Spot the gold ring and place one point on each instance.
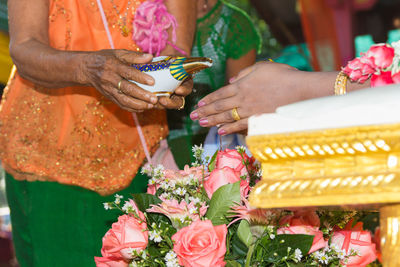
(183, 103)
(235, 114)
(119, 87)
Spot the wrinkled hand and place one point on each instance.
(258, 89)
(105, 69)
(176, 101)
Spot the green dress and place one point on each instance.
(43, 213)
(224, 32)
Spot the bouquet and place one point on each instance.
(381, 63)
(201, 217)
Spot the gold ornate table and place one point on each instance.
(354, 166)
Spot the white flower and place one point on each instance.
(194, 200)
(155, 236)
(240, 149)
(193, 210)
(197, 149)
(164, 185)
(322, 257)
(127, 207)
(171, 259)
(152, 181)
(272, 236)
(298, 255)
(180, 191)
(106, 206)
(118, 199)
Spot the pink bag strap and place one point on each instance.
(135, 118)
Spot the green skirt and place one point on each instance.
(59, 225)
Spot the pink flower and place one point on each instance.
(152, 189)
(254, 216)
(301, 217)
(360, 69)
(358, 242)
(110, 262)
(231, 158)
(178, 213)
(128, 234)
(377, 241)
(150, 26)
(197, 172)
(382, 79)
(382, 54)
(318, 242)
(219, 177)
(201, 244)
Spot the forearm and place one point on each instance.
(46, 66)
(320, 84)
(185, 14)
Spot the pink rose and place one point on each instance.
(382, 55)
(128, 234)
(360, 69)
(110, 262)
(231, 158)
(377, 241)
(219, 177)
(382, 79)
(301, 217)
(358, 241)
(318, 241)
(152, 189)
(201, 244)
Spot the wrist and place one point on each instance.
(81, 72)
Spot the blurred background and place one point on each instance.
(311, 35)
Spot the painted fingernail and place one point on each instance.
(201, 104)
(231, 80)
(203, 122)
(221, 132)
(150, 106)
(194, 115)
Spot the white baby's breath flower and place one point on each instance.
(128, 207)
(322, 257)
(193, 210)
(152, 181)
(198, 149)
(298, 255)
(106, 206)
(180, 191)
(171, 259)
(118, 199)
(240, 149)
(272, 236)
(194, 200)
(155, 236)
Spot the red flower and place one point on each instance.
(219, 177)
(233, 159)
(382, 79)
(360, 69)
(382, 54)
(301, 217)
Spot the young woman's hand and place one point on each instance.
(258, 89)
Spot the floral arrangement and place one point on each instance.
(381, 63)
(201, 217)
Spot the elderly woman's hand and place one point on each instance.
(260, 88)
(109, 71)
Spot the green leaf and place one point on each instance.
(244, 233)
(233, 264)
(238, 248)
(281, 243)
(221, 202)
(143, 201)
(213, 161)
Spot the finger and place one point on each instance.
(234, 127)
(129, 102)
(214, 108)
(222, 93)
(185, 88)
(173, 102)
(131, 73)
(132, 90)
(220, 118)
(115, 100)
(132, 57)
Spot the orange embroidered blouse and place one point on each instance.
(74, 135)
